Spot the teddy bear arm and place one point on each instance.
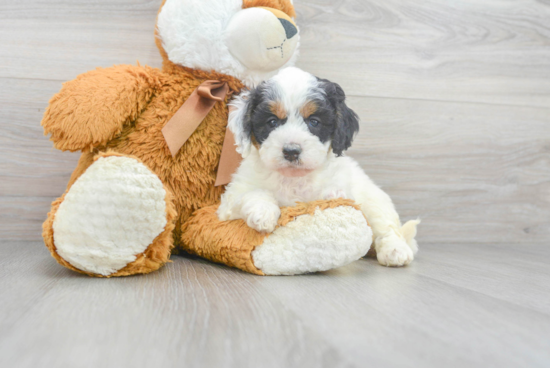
(93, 109)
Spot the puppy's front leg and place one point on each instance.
(260, 210)
(257, 206)
(394, 244)
(334, 193)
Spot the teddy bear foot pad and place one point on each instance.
(321, 241)
(110, 215)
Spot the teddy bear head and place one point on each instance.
(246, 39)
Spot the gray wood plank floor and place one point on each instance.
(454, 99)
(458, 305)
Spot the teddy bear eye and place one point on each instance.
(273, 123)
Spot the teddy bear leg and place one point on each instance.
(116, 219)
(310, 237)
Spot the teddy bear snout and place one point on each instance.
(272, 30)
(290, 29)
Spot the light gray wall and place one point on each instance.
(454, 99)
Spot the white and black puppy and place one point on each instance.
(292, 131)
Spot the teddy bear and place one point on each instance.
(151, 143)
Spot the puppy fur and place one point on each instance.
(292, 131)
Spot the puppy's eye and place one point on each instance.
(314, 122)
(273, 122)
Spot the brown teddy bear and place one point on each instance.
(151, 143)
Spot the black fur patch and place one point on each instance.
(345, 122)
(326, 116)
(259, 114)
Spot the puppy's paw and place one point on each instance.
(262, 216)
(393, 252)
(334, 193)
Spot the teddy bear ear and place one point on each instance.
(286, 6)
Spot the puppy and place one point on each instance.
(292, 131)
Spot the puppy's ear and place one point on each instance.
(240, 123)
(347, 121)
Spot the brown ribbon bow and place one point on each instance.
(188, 118)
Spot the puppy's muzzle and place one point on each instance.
(292, 152)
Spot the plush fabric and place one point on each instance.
(232, 242)
(227, 242)
(196, 37)
(304, 245)
(326, 241)
(111, 214)
(155, 256)
(282, 5)
(95, 99)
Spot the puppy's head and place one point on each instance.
(294, 121)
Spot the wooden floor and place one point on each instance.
(454, 98)
(458, 305)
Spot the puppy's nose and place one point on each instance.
(292, 152)
(290, 29)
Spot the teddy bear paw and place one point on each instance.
(320, 241)
(112, 213)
